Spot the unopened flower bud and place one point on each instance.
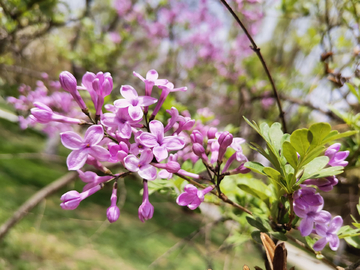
(68, 82)
(225, 141)
(113, 212)
(211, 132)
(196, 137)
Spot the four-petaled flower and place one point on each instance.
(328, 234)
(160, 144)
(141, 166)
(192, 197)
(133, 102)
(84, 147)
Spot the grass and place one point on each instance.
(51, 238)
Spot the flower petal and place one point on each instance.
(71, 140)
(128, 92)
(146, 101)
(77, 159)
(152, 75)
(306, 226)
(100, 153)
(131, 163)
(94, 134)
(146, 157)
(322, 217)
(121, 103)
(185, 199)
(124, 130)
(148, 172)
(335, 224)
(148, 139)
(160, 153)
(157, 128)
(334, 241)
(173, 143)
(135, 113)
(320, 244)
(321, 230)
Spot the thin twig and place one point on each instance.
(353, 266)
(35, 200)
(256, 49)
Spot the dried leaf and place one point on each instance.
(279, 261)
(269, 247)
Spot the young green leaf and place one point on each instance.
(299, 140)
(255, 187)
(289, 153)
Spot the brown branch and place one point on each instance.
(353, 266)
(220, 196)
(256, 49)
(35, 200)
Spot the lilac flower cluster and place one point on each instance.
(308, 204)
(51, 105)
(129, 134)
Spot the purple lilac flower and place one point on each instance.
(141, 166)
(307, 196)
(113, 212)
(192, 197)
(174, 116)
(98, 86)
(137, 147)
(44, 114)
(133, 102)
(71, 199)
(84, 147)
(92, 179)
(328, 234)
(122, 121)
(324, 184)
(150, 81)
(166, 89)
(225, 140)
(146, 210)
(118, 152)
(69, 83)
(160, 144)
(165, 174)
(309, 215)
(337, 158)
(238, 155)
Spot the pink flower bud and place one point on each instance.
(211, 132)
(71, 199)
(225, 141)
(113, 212)
(68, 82)
(196, 137)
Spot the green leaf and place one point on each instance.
(279, 236)
(313, 167)
(299, 140)
(352, 90)
(256, 236)
(259, 149)
(310, 241)
(255, 187)
(289, 153)
(329, 138)
(276, 135)
(255, 167)
(256, 224)
(354, 241)
(319, 131)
